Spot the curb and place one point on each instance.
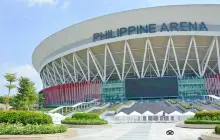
(58, 136)
(197, 126)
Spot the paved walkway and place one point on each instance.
(139, 131)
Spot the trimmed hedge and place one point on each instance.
(198, 108)
(84, 119)
(205, 117)
(187, 106)
(20, 129)
(201, 122)
(172, 101)
(217, 129)
(114, 108)
(85, 116)
(24, 117)
(84, 122)
(211, 114)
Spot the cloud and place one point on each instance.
(23, 70)
(42, 2)
(65, 4)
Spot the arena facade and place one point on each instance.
(158, 52)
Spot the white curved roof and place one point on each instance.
(148, 113)
(160, 113)
(134, 113)
(74, 37)
(175, 113)
(189, 113)
(121, 114)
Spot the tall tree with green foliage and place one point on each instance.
(1, 99)
(40, 100)
(11, 79)
(14, 102)
(27, 94)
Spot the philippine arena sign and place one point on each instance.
(150, 28)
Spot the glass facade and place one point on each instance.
(113, 91)
(191, 87)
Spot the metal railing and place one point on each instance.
(79, 107)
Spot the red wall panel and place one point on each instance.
(213, 84)
(69, 94)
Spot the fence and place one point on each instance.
(146, 118)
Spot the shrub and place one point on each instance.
(217, 129)
(84, 119)
(201, 122)
(172, 101)
(198, 108)
(185, 106)
(205, 117)
(84, 116)
(84, 122)
(114, 108)
(210, 114)
(24, 117)
(20, 129)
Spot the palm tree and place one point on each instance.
(10, 78)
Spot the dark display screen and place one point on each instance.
(151, 87)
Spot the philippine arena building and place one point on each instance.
(149, 53)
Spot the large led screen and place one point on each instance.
(151, 87)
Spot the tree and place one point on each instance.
(10, 78)
(2, 99)
(41, 99)
(13, 101)
(27, 94)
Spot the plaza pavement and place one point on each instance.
(138, 131)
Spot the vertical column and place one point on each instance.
(71, 102)
(56, 91)
(208, 83)
(100, 89)
(59, 94)
(95, 89)
(80, 92)
(217, 83)
(67, 93)
(69, 85)
(51, 94)
(74, 93)
(83, 91)
(54, 95)
(77, 92)
(87, 91)
(71, 90)
(63, 92)
(90, 89)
